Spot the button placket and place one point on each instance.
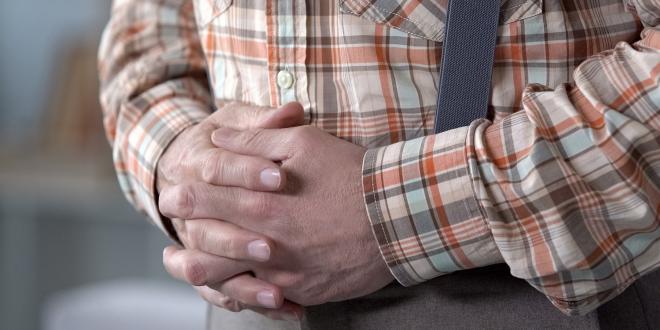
(287, 46)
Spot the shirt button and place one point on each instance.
(285, 79)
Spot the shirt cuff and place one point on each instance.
(136, 161)
(423, 210)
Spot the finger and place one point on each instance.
(225, 240)
(218, 299)
(251, 291)
(275, 144)
(225, 168)
(242, 116)
(289, 115)
(199, 268)
(288, 311)
(204, 201)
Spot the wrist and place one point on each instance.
(168, 164)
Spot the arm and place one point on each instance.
(157, 106)
(153, 86)
(566, 192)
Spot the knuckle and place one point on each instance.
(232, 305)
(176, 202)
(193, 272)
(212, 168)
(218, 299)
(183, 201)
(223, 300)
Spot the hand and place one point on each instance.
(323, 247)
(192, 158)
(238, 292)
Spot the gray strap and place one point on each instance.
(469, 51)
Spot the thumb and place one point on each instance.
(289, 115)
(240, 116)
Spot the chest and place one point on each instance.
(367, 71)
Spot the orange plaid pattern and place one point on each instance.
(562, 182)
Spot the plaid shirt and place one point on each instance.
(562, 182)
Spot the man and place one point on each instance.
(319, 179)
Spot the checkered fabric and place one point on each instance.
(561, 182)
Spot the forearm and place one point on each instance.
(153, 86)
(566, 191)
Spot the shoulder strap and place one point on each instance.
(468, 55)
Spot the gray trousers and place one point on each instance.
(487, 298)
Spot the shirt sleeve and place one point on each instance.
(566, 191)
(153, 86)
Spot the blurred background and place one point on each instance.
(73, 253)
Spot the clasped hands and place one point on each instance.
(270, 213)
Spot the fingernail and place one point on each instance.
(266, 299)
(271, 178)
(290, 317)
(259, 250)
